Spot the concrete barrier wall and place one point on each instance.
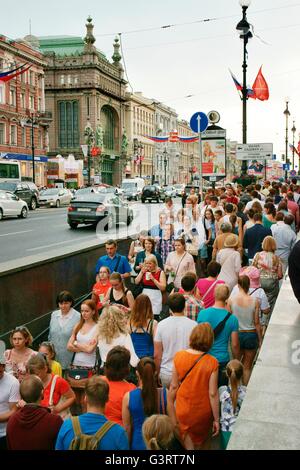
(28, 288)
(269, 418)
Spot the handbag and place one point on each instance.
(66, 413)
(170, 285)
(78, 376)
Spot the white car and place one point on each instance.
(170, 191)
(55, 197)
(12, 206)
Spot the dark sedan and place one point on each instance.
(92, 208)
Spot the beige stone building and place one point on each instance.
(189, 160)
(140, 122)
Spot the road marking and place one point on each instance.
(61, 243)
(15, 233)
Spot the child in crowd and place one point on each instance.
(47, 348)
(231, 399)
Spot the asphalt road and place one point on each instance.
(46, 229)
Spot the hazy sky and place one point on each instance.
(169, 64)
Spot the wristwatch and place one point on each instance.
(75, 343)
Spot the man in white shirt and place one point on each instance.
(172, 335)
(9, 397)
(285, 237)
(249, 204)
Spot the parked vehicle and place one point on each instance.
(132, 188)
(55, 197)
(34, 188)
(23, 191)
(91, 208)
(10, 171)
(170, 191)
(153, 193)
(12, 206)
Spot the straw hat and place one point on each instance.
(254, 275)
(231, 241)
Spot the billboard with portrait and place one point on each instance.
(256, 167)
(214, 157)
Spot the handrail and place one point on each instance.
(78, 301)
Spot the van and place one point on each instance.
(132, 188)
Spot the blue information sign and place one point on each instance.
(286, 166)
(199, 122)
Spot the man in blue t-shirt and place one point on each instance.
(214, 315)
(114, 261)
(96, 391)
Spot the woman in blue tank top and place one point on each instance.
(142, 402)
(142, 326)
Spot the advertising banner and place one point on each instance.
(256, 167)
(213, 157)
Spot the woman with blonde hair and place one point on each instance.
(270, 267)
(153, 280)
(159, 434)
(231, 398)
(246, 310)
(194, 388)
(142, 326)
(113, 331)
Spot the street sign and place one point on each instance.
(199, 122)
(286, 166)
(254, 151)
(293, 172)
(212, 178)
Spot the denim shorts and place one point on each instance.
(248, 340)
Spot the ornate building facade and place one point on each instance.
(22, 108)
(86, 95)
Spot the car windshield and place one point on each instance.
(178, 186)
(86, 191)
(51, 192)
(169, 188)
(128, 186)
(8, 186)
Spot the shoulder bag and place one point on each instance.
(66, 412)
(202, 307)
(171, 286)
(191, 368)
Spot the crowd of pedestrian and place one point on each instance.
(160, 356)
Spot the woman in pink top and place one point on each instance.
(178, 263)
(206, 286)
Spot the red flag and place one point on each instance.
(260, 87)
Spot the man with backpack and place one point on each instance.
(92, 430)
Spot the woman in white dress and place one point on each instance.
(83, 343)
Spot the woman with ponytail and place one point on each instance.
(145, 401)
(231, 399)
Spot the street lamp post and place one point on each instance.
(165, 164)
(32, 146)
(287, 114)
(90, 139)
(140, 151)
(293, 131)
(244, 28)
